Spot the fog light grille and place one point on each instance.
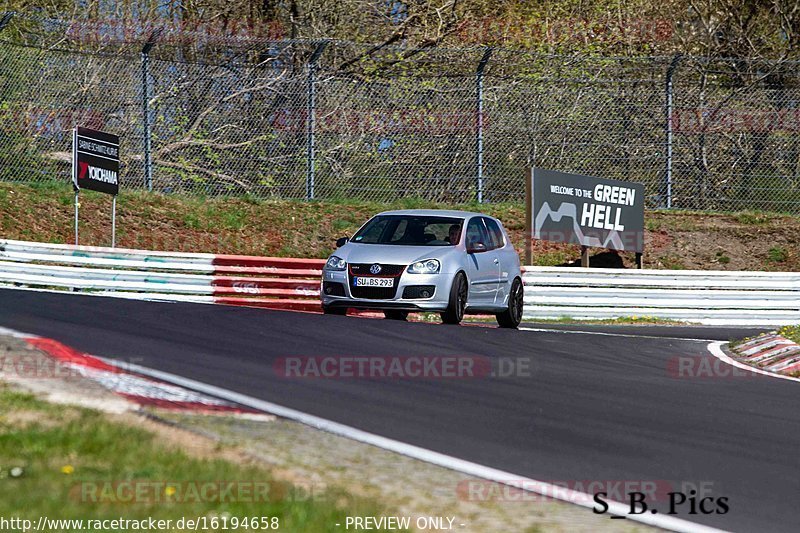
(331, 288)
(417, 292)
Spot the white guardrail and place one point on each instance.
(708, 297)
(703, 296)
(274, 282)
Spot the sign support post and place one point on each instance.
(74, 178)
(528, 218)
(77, 206)
(114, 221)
(585, 256)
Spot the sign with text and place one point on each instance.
(577, 209)
(95, 160)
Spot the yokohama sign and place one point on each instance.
(96, 161)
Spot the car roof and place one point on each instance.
(435, 212)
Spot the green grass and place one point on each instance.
(791, 333)
(777, 255)
(753, 218)
(672, 262)
(631, 320)
(552, 258)
(251, 225)
(191, 220)
(70, 456)
(343, 224)
(653, 225)
(621, 321)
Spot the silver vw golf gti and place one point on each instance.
(451, 262)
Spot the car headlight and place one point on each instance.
(335, 263)
(428, 266)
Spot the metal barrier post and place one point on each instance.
(479, 115)
(148, 157)
(668, 127)
(7, 16)
(311, 119)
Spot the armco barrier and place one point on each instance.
(273, 282)
(709, 297)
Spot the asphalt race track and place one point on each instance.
(594, 407)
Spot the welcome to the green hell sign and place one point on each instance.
(597, 215)
(585, 210)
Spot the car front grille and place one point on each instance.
(375, 293)
(362, 269)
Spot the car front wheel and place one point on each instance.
(454, 313)
(512, 316)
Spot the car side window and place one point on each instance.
(491, 244)
(476, 232)
(495, 232)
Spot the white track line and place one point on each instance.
(716, 350)
(453, 463)
(16, 334)
(631, 335)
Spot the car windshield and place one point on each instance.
(411, 230)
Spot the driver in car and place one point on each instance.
(454, 234)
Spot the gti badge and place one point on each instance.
(375, 269)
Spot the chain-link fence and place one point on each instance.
(330, 120)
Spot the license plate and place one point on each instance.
(373, 282)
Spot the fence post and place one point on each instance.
(148, 157)
(668, 127)
(311, 110)
(7, 16)
(479, 126)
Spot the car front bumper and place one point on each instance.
(437, 302)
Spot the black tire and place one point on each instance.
(458, 300)
(511, 317)
(334, 310)
(395, 314)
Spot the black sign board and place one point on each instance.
(95, 161)
(583, 210)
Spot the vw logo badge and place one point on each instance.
(375, 269)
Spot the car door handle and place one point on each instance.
(496, 261)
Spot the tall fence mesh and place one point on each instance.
(329, 120)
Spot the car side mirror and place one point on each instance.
(341, 241)
(476, 248)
